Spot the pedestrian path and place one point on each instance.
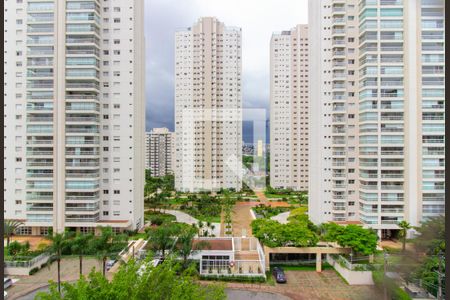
(282, 218)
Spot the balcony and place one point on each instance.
(85, 85)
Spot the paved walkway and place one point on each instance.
(282, 218)
(261, 196)
(183, 217)
(241, 218)
(252, 295)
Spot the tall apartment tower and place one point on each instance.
(401, 112)
(161, 148)
(208, 103)
(289, 86)
(399, 115)
(74, 114)
(147, 151)
(333, 114)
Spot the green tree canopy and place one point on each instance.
(361, 240)
(431, 238)
(274, 234)
(161, 282)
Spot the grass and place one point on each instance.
(137, 236)
(152, 215)
(212, 219)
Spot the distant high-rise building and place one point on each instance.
(208, 103)
(289, 85)
(75, 114)
(386, 126)
(160, 151)
(259, 148)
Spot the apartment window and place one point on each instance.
(106, 213)
(116, 192)
(116, 52)
(116, 213)
(116, 20)
(116, 202)
(116, 9)
(116, 42)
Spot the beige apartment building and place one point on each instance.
(289, 118)
(74, 115)
(398, 111)
(333, 114)
(208, 103)
(160, 143)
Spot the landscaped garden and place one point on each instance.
(288, 195)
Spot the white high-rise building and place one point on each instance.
(289, 86)
(399, 117)
(160, 151)
(74, 114)
(208, 103)
(333, 114)
(401, 112)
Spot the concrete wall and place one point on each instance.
(352, 277)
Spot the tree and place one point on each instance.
(162, 282)
(58, 243)
(361, 240)
(80, 246)
(161, 238)
(274, 234)
(106, 244)
(431, 236)
(404, 225)
(186, 245)
(10, 227)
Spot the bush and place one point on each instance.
(34, 270)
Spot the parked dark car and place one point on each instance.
(279, 275)
(110, 264)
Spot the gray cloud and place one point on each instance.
(258, 19)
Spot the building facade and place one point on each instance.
(289, 86)
(401, 111)
(333, 115)
(75, 114)
(397, 114)
(208, 103)
(160, 151)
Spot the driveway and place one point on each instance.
(308, 285)
(251, 295)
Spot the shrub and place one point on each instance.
(34, 270)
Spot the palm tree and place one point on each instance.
(10, 227)
(185, 244)
(102, 245)
(404, 225)
(200, 227)
(59, 241)
(161, 238)
(80, 246)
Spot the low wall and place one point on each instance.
(24, 268)
(352, 277)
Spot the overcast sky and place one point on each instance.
(257, 18)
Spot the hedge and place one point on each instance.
(235, 278)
